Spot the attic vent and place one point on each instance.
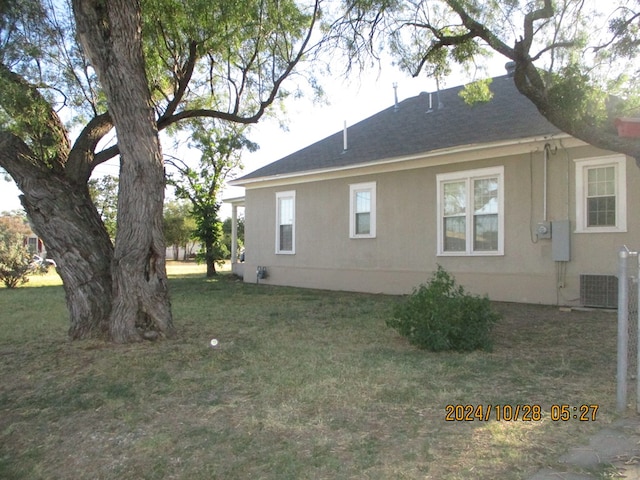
(599, 291)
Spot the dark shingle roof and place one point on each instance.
(411, 129)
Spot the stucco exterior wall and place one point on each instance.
(404, 251)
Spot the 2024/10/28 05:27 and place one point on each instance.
(525, 412)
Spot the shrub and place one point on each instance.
(15, 264)
(439, 316)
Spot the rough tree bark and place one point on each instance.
(119, 293)
(61, 211)
(53, 179)
(110, 33)
(210, 259)
(65, 215)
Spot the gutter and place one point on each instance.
(433, 158)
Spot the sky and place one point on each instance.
(346, 100)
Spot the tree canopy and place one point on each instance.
(179, 226)
(573, 59)
(173, 60)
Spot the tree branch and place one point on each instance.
(184, 77)
(443, 41)
(481, 31)
(172, 116)
(543, 13)
(24, 103)
(82, 157)
(552, 47)
(18, 160)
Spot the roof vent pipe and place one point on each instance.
(440, 104)
(344, 137)
(395, 96)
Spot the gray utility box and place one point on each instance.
(561, 240)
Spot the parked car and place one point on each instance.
(40, 262)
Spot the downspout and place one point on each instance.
(547, 150)
(547, 147)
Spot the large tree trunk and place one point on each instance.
(76, 239)
(110, 32)
(62, 214)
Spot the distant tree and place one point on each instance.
(15, 257)
(104, 193)
(221, 145)
(15, 222)
(179, 227)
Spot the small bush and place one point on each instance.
(15, 264)
(439, 316)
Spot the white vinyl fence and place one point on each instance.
(628, 327)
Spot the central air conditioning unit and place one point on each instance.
(599, 291)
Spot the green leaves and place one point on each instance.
(15, 258)
(575, 94)
(233, 55)
(221, 145)
(477, 92)
(104, 194)
(574, 59)
(178, 224)
(440, 315)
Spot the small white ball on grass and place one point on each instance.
(214, 342)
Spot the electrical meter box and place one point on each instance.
(561, 240)
(543, 230)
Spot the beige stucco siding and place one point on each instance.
(404, 251)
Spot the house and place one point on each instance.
(511, 206)
(34, 244)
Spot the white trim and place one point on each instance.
(620, 164)
(468, 176)
(353, 189)
(282, 195)
(448, 156)
(239, 201)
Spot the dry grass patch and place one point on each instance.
(304, 384)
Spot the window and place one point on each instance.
(471, 212)
(33, 245)
(285, 222)
(362, 207)
(601, 194)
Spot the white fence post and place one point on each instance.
(638, 335)
(623, 329)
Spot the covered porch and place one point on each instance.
(237, 262)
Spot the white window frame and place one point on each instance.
(353, 190)
(468, 176)
(582, 166)
(279, 196)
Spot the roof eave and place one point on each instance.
(432, 158)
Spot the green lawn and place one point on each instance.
(303, 384)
